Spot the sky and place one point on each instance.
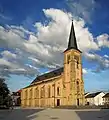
(34, 34)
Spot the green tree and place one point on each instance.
(4, 92)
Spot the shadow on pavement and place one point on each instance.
(102, 114)
(20, 114)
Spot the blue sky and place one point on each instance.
(34, 34)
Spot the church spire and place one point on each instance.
(72, 44)
(72, 39)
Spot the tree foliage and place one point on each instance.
(4, 91)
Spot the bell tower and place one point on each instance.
(73, 85)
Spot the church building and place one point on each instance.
(61, 87)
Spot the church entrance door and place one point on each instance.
(78, 102)
(58, 102)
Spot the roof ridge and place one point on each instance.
(53, 73)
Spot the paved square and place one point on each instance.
(54, 114)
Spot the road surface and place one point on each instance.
(54, 114)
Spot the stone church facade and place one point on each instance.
(61, 87)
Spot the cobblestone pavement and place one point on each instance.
(53, 114)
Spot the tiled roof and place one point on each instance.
(19, 91)
(106, 95)
(91, 95)
(51, 74)
(45, 76)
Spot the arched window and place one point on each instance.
(30, 93)
(53, 90)
(36, 93)
(77, 61)
(77, 83)
(77, 86)
(58, 91)
(49, 92)
(26, 94)
(77, 65)
(68, 59)
(42, 92)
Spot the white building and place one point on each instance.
(86, 94)
(106, 99)
(94, 98)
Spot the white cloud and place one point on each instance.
(106, 56)
(103, 40)
(102, 63)
(10, 39)
(44, 48)
(4, 62)
(84, 37)
(83, 8)
(84, 71)
(32, 66)
(14, 64)
(8, 54)
(92, 57)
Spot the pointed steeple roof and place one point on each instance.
(72, 44)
